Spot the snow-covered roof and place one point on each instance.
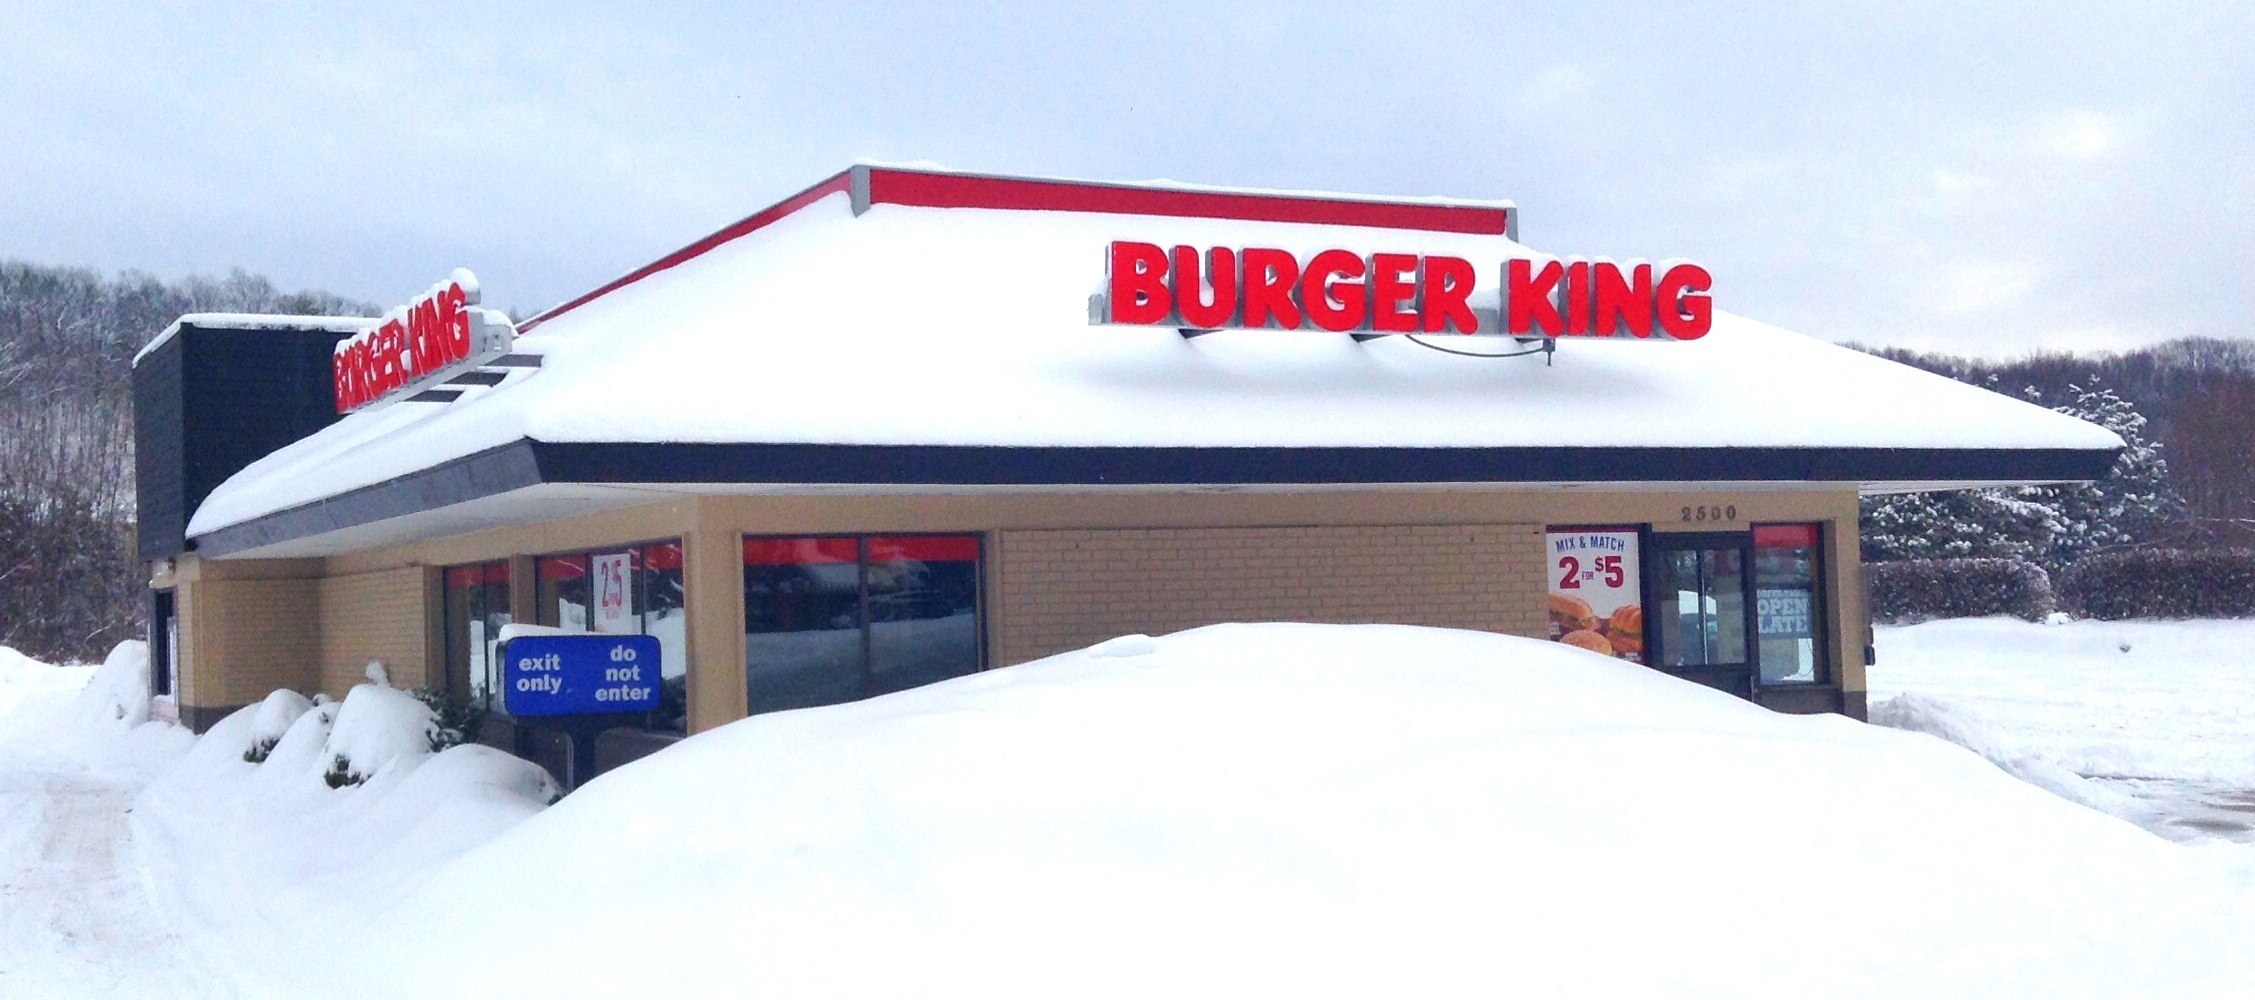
(252, 321)
(911, 330)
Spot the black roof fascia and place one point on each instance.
(528, 463)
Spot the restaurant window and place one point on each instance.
(1741, 610)
(1787, 611)
(838, 619)
(477, 605)
(1702, 606)
(634, 590)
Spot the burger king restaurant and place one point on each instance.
(910, 424)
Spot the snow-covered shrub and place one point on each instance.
(275, 716)
(1914, 590)
(456, 720)
(375, 726)
(2163, 583)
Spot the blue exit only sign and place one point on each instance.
(581, 674)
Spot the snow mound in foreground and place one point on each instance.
(1334, 810)
(1939, 718)
(263, 864)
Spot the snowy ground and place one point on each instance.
(2153, 721)
(1321, 810)
(75, 918)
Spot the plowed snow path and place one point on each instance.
(75, 920)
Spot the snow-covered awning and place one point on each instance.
(844, 341)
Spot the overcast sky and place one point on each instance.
(1988, 181)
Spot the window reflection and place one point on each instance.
(1702, 607)
(830, 620)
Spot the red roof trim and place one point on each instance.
(836, 184)
(925, 189)
(937, 190)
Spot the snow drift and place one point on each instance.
(1335, 810)
(264, 866)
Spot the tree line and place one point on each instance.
(70, 586)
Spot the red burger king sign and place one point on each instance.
(437, 336)
(1252, 288)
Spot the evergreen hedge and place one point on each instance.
(1914, 590)
(2162, 583)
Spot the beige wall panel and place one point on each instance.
(244, 638)
(1067, 589)
(380, 616)
(712, 583)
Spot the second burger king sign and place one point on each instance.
(1595, 596)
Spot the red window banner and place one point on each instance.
(563, 567)
(662, 557)
(799, 551)
(924, 548)
(480, 573)
(1785, 536)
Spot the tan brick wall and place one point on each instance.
(1059, 590)
(243, 638)
(374, 616)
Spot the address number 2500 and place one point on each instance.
(1718, 512)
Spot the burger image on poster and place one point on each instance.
(1595, 596)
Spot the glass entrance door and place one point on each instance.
(1701, 617)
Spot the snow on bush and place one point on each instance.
(263, 863)
(1281, 810)
(1914, 590)
(2163, 583)
(275, 716)
(375, 726)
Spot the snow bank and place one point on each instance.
(86, 716)
(1326, 810)
(267, 868)
(1920, 713)
(23, 679)
(2107, 699)
(2151, 720)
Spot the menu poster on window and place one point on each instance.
(613, 608)
(1595, 595)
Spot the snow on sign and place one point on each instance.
(1596, 599)
(1340, 290)
(418, 345)
(580, 674)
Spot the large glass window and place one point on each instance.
(1702, 607)
(829, 619)
(634, 590)
(1787, 614)
(477, 605)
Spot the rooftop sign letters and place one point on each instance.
(1220, 288)
(439, 335)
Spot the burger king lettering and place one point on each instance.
(1220, 288)
(432, 338)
